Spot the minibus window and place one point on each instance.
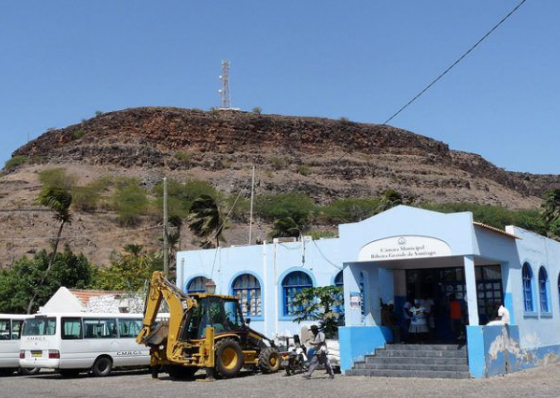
(39, 327)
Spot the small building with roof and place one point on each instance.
(96, 301)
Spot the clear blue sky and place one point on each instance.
(62, 60)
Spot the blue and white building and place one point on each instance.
(403, 252)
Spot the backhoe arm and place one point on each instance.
(161, 289)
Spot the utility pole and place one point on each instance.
(251, 211)
(165, 259)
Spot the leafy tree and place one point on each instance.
(289, 212)
(321, 304)
(57, 178)
(129, 271)
(27, 281)
(130, 201)
(86, 198)
(205, 219)
(58, 200)
(349, 210)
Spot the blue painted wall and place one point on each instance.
(359, 341)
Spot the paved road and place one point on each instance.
(541, 382)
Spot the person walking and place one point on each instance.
(320, 356)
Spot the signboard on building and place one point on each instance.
(355, 300)
(404, 247)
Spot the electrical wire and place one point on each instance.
(446, 71)
(325, 257)
(455, 63)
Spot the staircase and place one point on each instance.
(447, 361)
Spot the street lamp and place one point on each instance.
(210, 287)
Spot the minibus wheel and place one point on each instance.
(102, 366)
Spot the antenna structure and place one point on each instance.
(224, 91)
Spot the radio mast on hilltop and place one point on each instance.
(224, 91)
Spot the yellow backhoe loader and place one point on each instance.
(204, 331)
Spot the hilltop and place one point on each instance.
(326, 159)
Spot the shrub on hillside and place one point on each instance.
(15, 162)
(349, 210)
(296, 206)
(130, 201)
(57, 178)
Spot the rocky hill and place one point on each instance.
(327, 159)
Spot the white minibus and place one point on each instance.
(10, 330)
(77, 342)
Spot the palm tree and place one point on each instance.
(286, 227)
(550, 213)
(205, 219)
(390, 198)
(58, 200)
(550, 209)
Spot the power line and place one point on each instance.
(455, 63)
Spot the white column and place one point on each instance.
(470, 280)
(267, 315)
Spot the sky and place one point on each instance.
(61, 61)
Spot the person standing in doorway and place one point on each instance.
(455, 316)
(419, 323)
(407, 317)
(320, 357)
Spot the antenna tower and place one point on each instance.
(224, 91)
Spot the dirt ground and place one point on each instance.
(539, 382)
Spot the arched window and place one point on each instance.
(339, 279)
(543, 290)
(248, 289)
(293, 283)
(196, 285)
(527, 276)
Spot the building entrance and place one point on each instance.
(439, 284)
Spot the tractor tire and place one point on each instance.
(102, 367)
(229, 358)
(181, 372)
(269, 360)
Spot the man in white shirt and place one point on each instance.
(320, 357)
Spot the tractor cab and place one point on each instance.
(220, 312)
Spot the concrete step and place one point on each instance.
(411, 366)
(421, 353)
(408, 373)
(427, 347)
(407, 360)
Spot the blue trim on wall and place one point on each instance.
(240, 273)
(230, 291)
(280, 310)
(191, 279)
(358, 341)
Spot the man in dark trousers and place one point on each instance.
(320, 357)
